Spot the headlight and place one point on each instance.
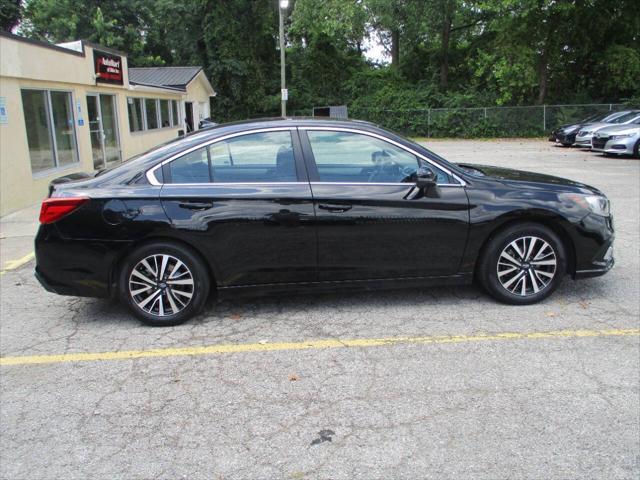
(598, 204)
(617, 137)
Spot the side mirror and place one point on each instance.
(425, 178)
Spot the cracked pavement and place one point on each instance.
(544, 408)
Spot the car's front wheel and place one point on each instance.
(523, 264)
(164, 284)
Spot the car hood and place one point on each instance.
(594, 127)
(569, 126)
(532, 179)
(620, 129)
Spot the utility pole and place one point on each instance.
(284, 4)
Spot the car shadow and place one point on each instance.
(430, 300)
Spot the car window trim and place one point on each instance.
(379, 137)
(151, 177)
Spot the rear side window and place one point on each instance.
(255, 157)
(191, 168)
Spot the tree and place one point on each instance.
(10, 14)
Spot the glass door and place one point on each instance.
(103, 130)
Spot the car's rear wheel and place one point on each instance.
(636, 149)
(523, 264)
(164, 284)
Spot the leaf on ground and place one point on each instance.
(550, 314)
(293, 378)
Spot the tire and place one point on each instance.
(176, 296)
(501, 264)
(636, 150)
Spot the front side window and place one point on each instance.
(151, 111)
(49, 122)
(256, 157)
(358, 158)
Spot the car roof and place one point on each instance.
(291, 122)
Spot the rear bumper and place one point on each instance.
(76, 268)
(59, 288)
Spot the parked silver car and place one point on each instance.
(618, 139)
(583, 138)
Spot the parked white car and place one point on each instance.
(618, 139)
(583, 137)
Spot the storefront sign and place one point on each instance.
(108, 68)
(79, 109)
(4, 115)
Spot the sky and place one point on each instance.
(374, 50)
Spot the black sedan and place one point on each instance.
(288, 206)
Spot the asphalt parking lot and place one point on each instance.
(439, 383)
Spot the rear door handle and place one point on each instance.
(335, 208)
(196, 205)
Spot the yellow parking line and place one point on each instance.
(13, 264)
(311, 344)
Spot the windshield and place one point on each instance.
(608, 117)
(598, 117)
(625, 118)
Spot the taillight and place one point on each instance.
(53, 209)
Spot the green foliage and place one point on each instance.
(10, 14)
(620, 70)
(447, 53)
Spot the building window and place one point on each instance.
(175, 113)
(165, 121)
(49, 122)
(136, 119)
(151, 111)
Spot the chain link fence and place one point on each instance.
(527, 121)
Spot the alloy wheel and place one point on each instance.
(526, 266)
(161, 285)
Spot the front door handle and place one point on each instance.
(334, 207)
(196, 205)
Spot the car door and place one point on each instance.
(373, 223)
(245, 201)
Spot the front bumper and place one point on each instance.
(566, 138)
(602, 266)
(595, 253)
(620, 146)
(583, 141)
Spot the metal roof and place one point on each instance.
(171, 77)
